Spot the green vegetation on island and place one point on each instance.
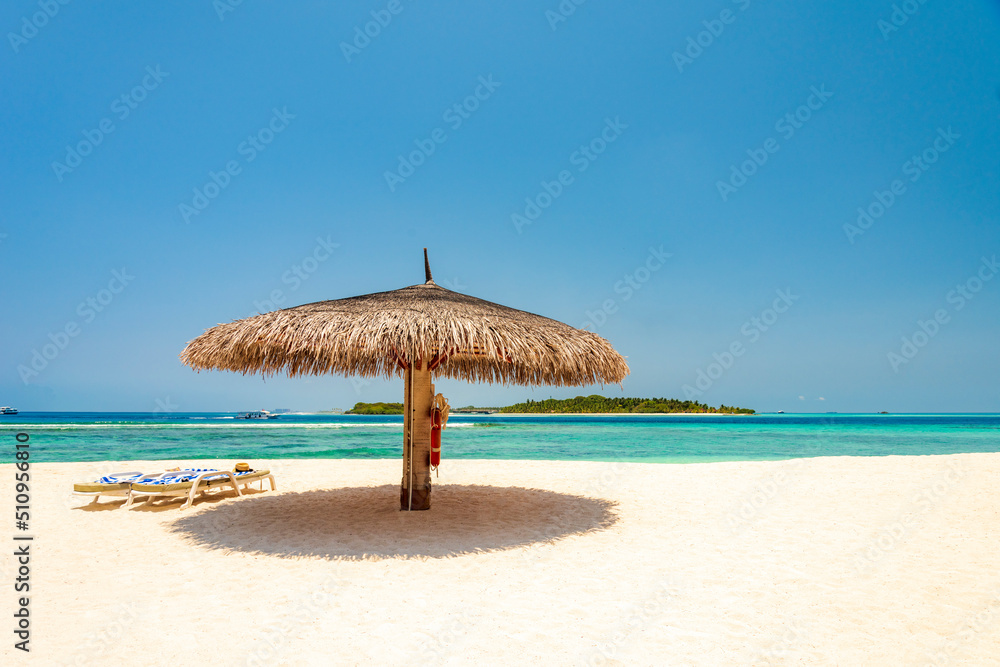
(593, 403)
(376, 409)
(603, 404)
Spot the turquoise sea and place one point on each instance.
(649, 438)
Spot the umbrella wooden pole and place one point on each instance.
(415, 491)
(407, 392)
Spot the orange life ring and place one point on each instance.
(435, 437)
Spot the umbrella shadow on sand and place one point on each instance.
(362, 523)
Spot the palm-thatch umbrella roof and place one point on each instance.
(416, 332)
(369, 335)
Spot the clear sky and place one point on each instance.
(685, 179)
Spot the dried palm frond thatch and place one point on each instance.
(374, 335)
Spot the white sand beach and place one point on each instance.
(827, 561)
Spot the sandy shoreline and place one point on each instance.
(841, 560)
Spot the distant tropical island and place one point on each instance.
(376, 409)
(581, 404)
(602, 404)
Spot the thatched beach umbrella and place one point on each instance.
(415, 332)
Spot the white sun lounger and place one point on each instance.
(115, 484)
(120, 483)
(190, 484)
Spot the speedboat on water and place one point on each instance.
(8, 411)
(256, 414)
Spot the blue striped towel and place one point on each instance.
(130, 479)
(188, 475)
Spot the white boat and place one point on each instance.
(256, 414)
(8, 411)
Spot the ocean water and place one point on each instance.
(642, 438)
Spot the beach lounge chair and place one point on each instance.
(115, 484)
(190, 484)
(120, 483)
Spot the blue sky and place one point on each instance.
(216, 155)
